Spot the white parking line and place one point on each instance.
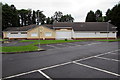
(102, 70)
(73, 44)
(93, 43)
(96, 55)
(114, 53)
(58, 65)
(61, 45)
(45, 75)
(52, 46)
(20, 74)
(108, 59)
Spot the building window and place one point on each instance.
(34, 34)
(23, 32)
(104, 32)
(113, 32)
(14, 33)
(48, 34)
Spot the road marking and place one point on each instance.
(45, 75)
(102, 70)
(73, 44)
(62, 45)
(52, 46)
(58, 65)
(20, 74)
(108, 59)
(114, 53)
(37, 70)
(96, 55)
(93, 43)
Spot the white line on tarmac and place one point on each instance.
(62, 45)
(55, 66)
(45, 75)
(58, 65)
(52, 46)
(102, 70)
(114, 53)
(73, 44)
(20, 74)
(108, 59)
(95, 56)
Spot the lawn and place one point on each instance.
(32, 47)
(49, 41)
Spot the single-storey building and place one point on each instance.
(63, 30)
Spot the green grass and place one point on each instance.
(3, 39)
(49, 41)
(32, 47)
(19, 48)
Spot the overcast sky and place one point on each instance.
(77, 8)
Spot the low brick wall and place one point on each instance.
(90, 38)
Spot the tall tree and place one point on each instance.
(48, 21)
(91, 17)
(57, 16)
(40, 17)
(34, 17)
(98, 15)
(114, 16)
(108, 14)
(9, 16)
(66, 18)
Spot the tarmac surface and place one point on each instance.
(66, 60)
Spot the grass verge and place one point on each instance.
(32, 47)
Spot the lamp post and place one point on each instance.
(39, 27)
(108, 29)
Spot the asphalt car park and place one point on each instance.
(75, 60)
(63, 45)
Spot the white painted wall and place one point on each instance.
(19, 35)
(93, 35)
(63, 34)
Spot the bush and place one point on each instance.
(65, 39)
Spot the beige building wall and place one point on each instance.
(5, 34)
(34, 33)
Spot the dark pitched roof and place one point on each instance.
(24, 28)
(49, 26)
(63, 24)
(86, 26)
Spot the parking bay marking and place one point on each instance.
(102, 70)
(45, 75)
(108, 59)
(58, 65)
(51, 46)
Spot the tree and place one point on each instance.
(48, 21)
(25, 17)
(98, 15)
(57, 16)
(29, 19)
(40, 17)
(66, 18)
(114, 16)
(108, 14)
(34, 17)
(9, 16)
(91, 17)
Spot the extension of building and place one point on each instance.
(63, 30)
